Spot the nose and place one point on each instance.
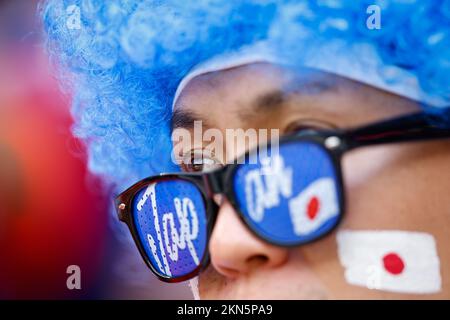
(235, 250)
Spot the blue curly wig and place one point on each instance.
(125, 61)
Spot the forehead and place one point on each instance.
(237, 91)
(264, 95)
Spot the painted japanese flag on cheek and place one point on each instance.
(397, 261)
(313, 206)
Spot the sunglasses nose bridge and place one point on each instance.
(214, 183)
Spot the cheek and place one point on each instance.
(398, 187)
(373, 180)
(362, 166)
(384, 188)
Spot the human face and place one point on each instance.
(390, 187)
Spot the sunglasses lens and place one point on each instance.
(289, 197)
(171, 223)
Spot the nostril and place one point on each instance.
(257, 260)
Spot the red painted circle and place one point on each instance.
(393, 263)
(313, 208)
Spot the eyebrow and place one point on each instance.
(185, 119)
(277, 98)
(269, 100)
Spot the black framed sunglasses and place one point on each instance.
(289, 196)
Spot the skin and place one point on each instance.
(388, 187)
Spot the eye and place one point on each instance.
(308, 124)
(199, 161)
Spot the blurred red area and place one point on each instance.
(53, 214)
(50, 218)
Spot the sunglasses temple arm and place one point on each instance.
(415, 127)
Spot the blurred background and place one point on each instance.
(53, 214)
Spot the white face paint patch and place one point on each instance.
(396, 261)
(193, 284)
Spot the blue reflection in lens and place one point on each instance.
(292, 199)
(170, 219)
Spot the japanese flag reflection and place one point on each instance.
(313, 206)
